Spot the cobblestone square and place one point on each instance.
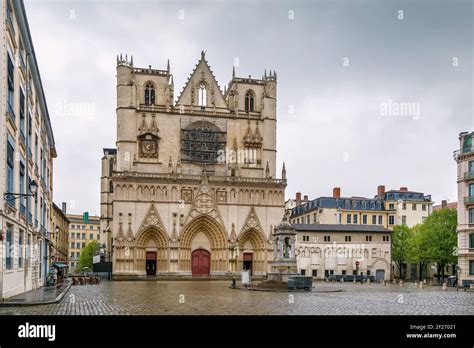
(215, 297)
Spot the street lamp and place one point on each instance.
(32, 187)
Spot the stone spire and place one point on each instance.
(170, 166)
(267, 171)
(233, 71)
(168, 67)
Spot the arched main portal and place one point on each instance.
(202, 229)
(151, 254)
(252, 252)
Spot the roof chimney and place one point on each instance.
(305, 198)
(336, 192)
(63, 207)
(380, 191)
(403, 189)
(444, 204)
(298, 198)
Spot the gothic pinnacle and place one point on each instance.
(168, 67)
(233, 71)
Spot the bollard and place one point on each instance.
(368, 281)
(327, 280)
(424, 281)
(431, 283)
(401, 283)
(416, 284)
(421, 285)
(342, 280)
(384, 282)
(394, 281)
(445, 286)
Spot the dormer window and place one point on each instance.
(249, 101)
(149, 94)
(202, 95)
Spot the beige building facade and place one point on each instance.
(83, 229)
(27, 151)
(464, 158)
(59, 235)
(191, 187)
(324, 250)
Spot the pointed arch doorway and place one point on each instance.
(200, 262)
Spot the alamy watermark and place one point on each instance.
(400, 109)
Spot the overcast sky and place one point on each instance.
(343, 69)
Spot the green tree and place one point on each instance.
(85, 260)
(418, 248)
(441, 238)
(401, 245)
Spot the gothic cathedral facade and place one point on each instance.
(191, 187)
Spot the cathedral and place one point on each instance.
(191, 188)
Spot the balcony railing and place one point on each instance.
(469, 199)
(469, 175)
(22, 209)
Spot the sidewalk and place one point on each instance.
(41, 296)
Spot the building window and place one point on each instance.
(149, 94)
(404, 206)
(11, 87)
(305, 238)
(413, 206)
(368, 238)
(404, 219)
(368, 272)
(22, 187)
(315, 218)
(83, 245)
(471, 267)
(391, 206)
(78, 245)
(327, 238)
(315, 272)
(83, 236)
(9, 246)
(20, 249)
(391, 220)
(72, 244)
(10, 169)
(364, 219)
(386, 238)
(349, 218)
(249, 101)
(202, 95)
(91, 227)
(303, 272)
(348, 238)
(471, 241)
(355, 218)
(372, 205)
(374, 219)
(380, 219)
(423, 207)
(344, 272)
(91, 236)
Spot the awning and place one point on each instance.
(59, 265)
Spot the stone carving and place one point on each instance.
(152, 219)
(252, 222)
